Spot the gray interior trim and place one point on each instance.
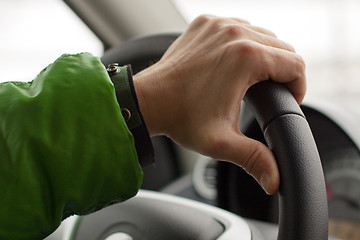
(115, 21)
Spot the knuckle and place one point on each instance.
(247, 49)
(203, 19)
(217, 23)
(234, 30)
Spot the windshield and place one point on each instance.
(35, 33)
(324, 32)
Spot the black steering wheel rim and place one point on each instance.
(303, 212)
(302, 195)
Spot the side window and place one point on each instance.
(34, 33)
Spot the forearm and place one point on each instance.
(65, 148)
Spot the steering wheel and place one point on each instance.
(302, 196)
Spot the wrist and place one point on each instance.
(155, 99)
(143, 95)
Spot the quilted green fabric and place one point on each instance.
(64, 148)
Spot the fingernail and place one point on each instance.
(265, 182)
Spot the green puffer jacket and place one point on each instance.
(64, 148)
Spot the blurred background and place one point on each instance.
(34, 33)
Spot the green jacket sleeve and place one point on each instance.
(64, 148)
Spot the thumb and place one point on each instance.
(253, 156)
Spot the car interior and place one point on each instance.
(185, 195)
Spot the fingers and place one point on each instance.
(253, 156)
(235, 29)
(240, 31)
(267, 63)
(255, 28)
(288, 68)
(262, 35)
(206, 17)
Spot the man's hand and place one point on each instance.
(193, 93)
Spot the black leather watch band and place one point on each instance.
(127, 100)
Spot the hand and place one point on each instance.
(193, 93)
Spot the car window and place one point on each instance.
(325, 33)
(34, 33)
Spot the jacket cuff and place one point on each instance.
(121, 77)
